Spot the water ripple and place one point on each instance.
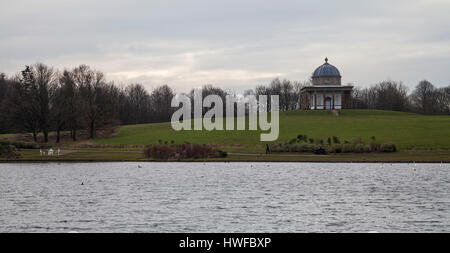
(224, 197)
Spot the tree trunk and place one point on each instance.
(45, 136)
(34, 136)
(74, 135)
(57, 135)
(92, 130)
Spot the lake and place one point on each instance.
(224, 197)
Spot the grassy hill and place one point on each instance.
(406, 130)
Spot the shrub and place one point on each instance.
(336, 140)
(388, 147)
(329, 149)
(362, 148)
(374, 146)
(347, 147)
(286, 147)
(304, 147)
(222, 153)
(21, 144)
(158, 152)
(276, 147)
(273, 147)
(305, 138)
(9, 152)
(183, 151)
(320, 151)
(293, 147)
(359, 148)
(337, 148)
(279, 147)
(333, 145)
(312, 147)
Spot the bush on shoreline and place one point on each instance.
(26, 145)
(9, 152)
(388, 147)
(331, 145)
(183, 151)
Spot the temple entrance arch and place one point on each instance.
(328, 103)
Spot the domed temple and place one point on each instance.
(326, 91)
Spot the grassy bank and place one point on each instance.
(418, 138)
(406, 130)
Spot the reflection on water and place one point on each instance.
(224, 197)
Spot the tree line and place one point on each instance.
(41, 99)
(425, 98)
(80, 101)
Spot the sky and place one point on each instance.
(232, 44)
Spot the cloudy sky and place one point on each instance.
(232, 44)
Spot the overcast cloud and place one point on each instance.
(232, 44)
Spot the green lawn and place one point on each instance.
(406, 130)
(7, 135)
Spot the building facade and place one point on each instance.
(326, 91)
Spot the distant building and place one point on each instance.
(326, 91)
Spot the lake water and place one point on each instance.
(224, 197)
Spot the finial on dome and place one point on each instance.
(326, 59)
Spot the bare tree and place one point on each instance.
(22, 103)
(45, 79)
(6, 92)
(138, 102)
(288, 92)
(71, 103)
(161, 99)
(423, 96)
(93, 90)
(297, 93)
(442, 100)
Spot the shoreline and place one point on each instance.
(99, 155)
(214, 161)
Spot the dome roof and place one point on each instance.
(326, 70)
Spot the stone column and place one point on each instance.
(323, 100)
(315, 100)
(332, 106)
